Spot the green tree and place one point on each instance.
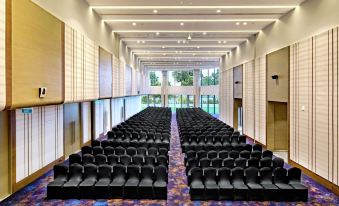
(154, 79)
(184, 77)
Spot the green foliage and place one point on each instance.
(154, 79)
(184, 77)
(211, 79)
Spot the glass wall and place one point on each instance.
(180, 78)
(151, 101)
(209, 76)
(210, 103)
(155, 78)
(180, 101)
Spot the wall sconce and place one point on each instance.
(275, 77)
(237, 82)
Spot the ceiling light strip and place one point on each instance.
(107, 7)
(185, 31)
(187, 20)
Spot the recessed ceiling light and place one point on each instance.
(138, 42)
(176, 51)
(182, 24)
(204, 33)
(189, 37)
(219, 42)
(178, 41)
(238, 23)
(209, 51)
(198, 47)
(163, 47)
(225, 42)
(245, 23)
(158, 33)
(155, 11)
(193, 54)
(218, 11)
(164, 54)
(184, 41)
(143, 42)
(134, 24)
(180, 51)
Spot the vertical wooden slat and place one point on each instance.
(2, 54)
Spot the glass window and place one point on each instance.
(180, 78)
(190, 101)
(157, 100)
(155, 78)
(171, 102)
(210, 104)
(204, 103)
(209, 77)
(144, 102)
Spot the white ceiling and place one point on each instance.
(156, 30)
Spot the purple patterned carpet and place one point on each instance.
(178, 191)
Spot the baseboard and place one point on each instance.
(17, 186)
(329, 185)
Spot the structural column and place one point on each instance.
(196, 84)
(164, 88)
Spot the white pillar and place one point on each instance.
(164, 88)
(196, 84)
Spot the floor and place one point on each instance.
(178, 192)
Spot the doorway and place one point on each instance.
(238, 115)
(72, 128)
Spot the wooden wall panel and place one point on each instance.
(238, 77)
(2, 54)
(86, 123)
(116, 68)
(81, 67)
(248, 98)
(36, 56)
(229, 97)
(314, 104)
(105, 73)
(128, 80)
(5, 169)
(122, 74)
(38, 140)
(278, 64)
(260, 99)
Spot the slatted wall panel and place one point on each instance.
(39, 139)
(116, 68)
(122, 86)
(229, 97)
(248, 98)
(314, 104)
(222, 91)
(81, 67)
(2, 54)
(260, 99)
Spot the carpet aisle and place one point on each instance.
(178, 191)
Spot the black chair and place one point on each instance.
(106, 143)
(162, 160)
(95, 143)
(86, 187)
(253, 162)
(74, 158)
(70, 188)
(278, 162)
(210, 182)
(267, 153)
(242, 139)
(163, 151)
(216, 162)
(229, 163)
(281, 181)
(201, 154)
(87, 159)
(270, 190)
(60, 177)
(256, 191)
(97, 150)
(256, 154)
(226, 191)
(131, 185)
(104, 180)
(196, 184)
(142, 151)
(257, 147)
(191, 163)
(100, 159)
(245, 154)
(108, 150)
(212, 154)
(152, 151)
(150, 160)
(131, 151)
(116, 187)
(146, 182)
(233, 154)
(138, 160)
(223, 154)
(266, 162)
(112, 159)
(240, 189)
(160, 182)
(248, 147)
(190, 154)
(240, 162)
(125, 160)
(204, 162)
(119, 150)
(86, 150)
(300, 191)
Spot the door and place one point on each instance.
(72, 128)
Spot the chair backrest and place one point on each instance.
(278, 162)
(147, 172)
(87, 159)
(141, 150)
(163, 151)
(229, 163)
(160, 173)
(150, 160)
(216, 162)
(280, 175)
(86, 150)
(195, 173)
(100, 159)
(245, 154)
(266, 175)
(241, 162)
(138, 160)
(74, 158)
(248, 147)
(90, 171)
(266, 162)
(210, 174)
(201, 154)
(224, 174)
(131, 151)
(256, 154)
(105, 143)
(119, 150)
(223, 154)
(257, 147)
(212, 154)
(267, 153)
(108, 150)
(75, 172)
(119, 171)
(125, 159)
(97, 150)
(294, 175)
(95, 143)
(242, 138)
(204, 162)
(152, 151)
(253, 162)
(162, 160)
(133, 171)
(238, 175)
(252, 175)
(60, 172)
(104, 171)
(233, 154)
(112, 159)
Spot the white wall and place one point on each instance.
(177, 90)
(209, 90)
(133, 106)
(310, 18)
(78, 15)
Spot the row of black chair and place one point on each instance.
(248, 184)
(104, 181)
(209, 147)
(121, 150)
(124, 159)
